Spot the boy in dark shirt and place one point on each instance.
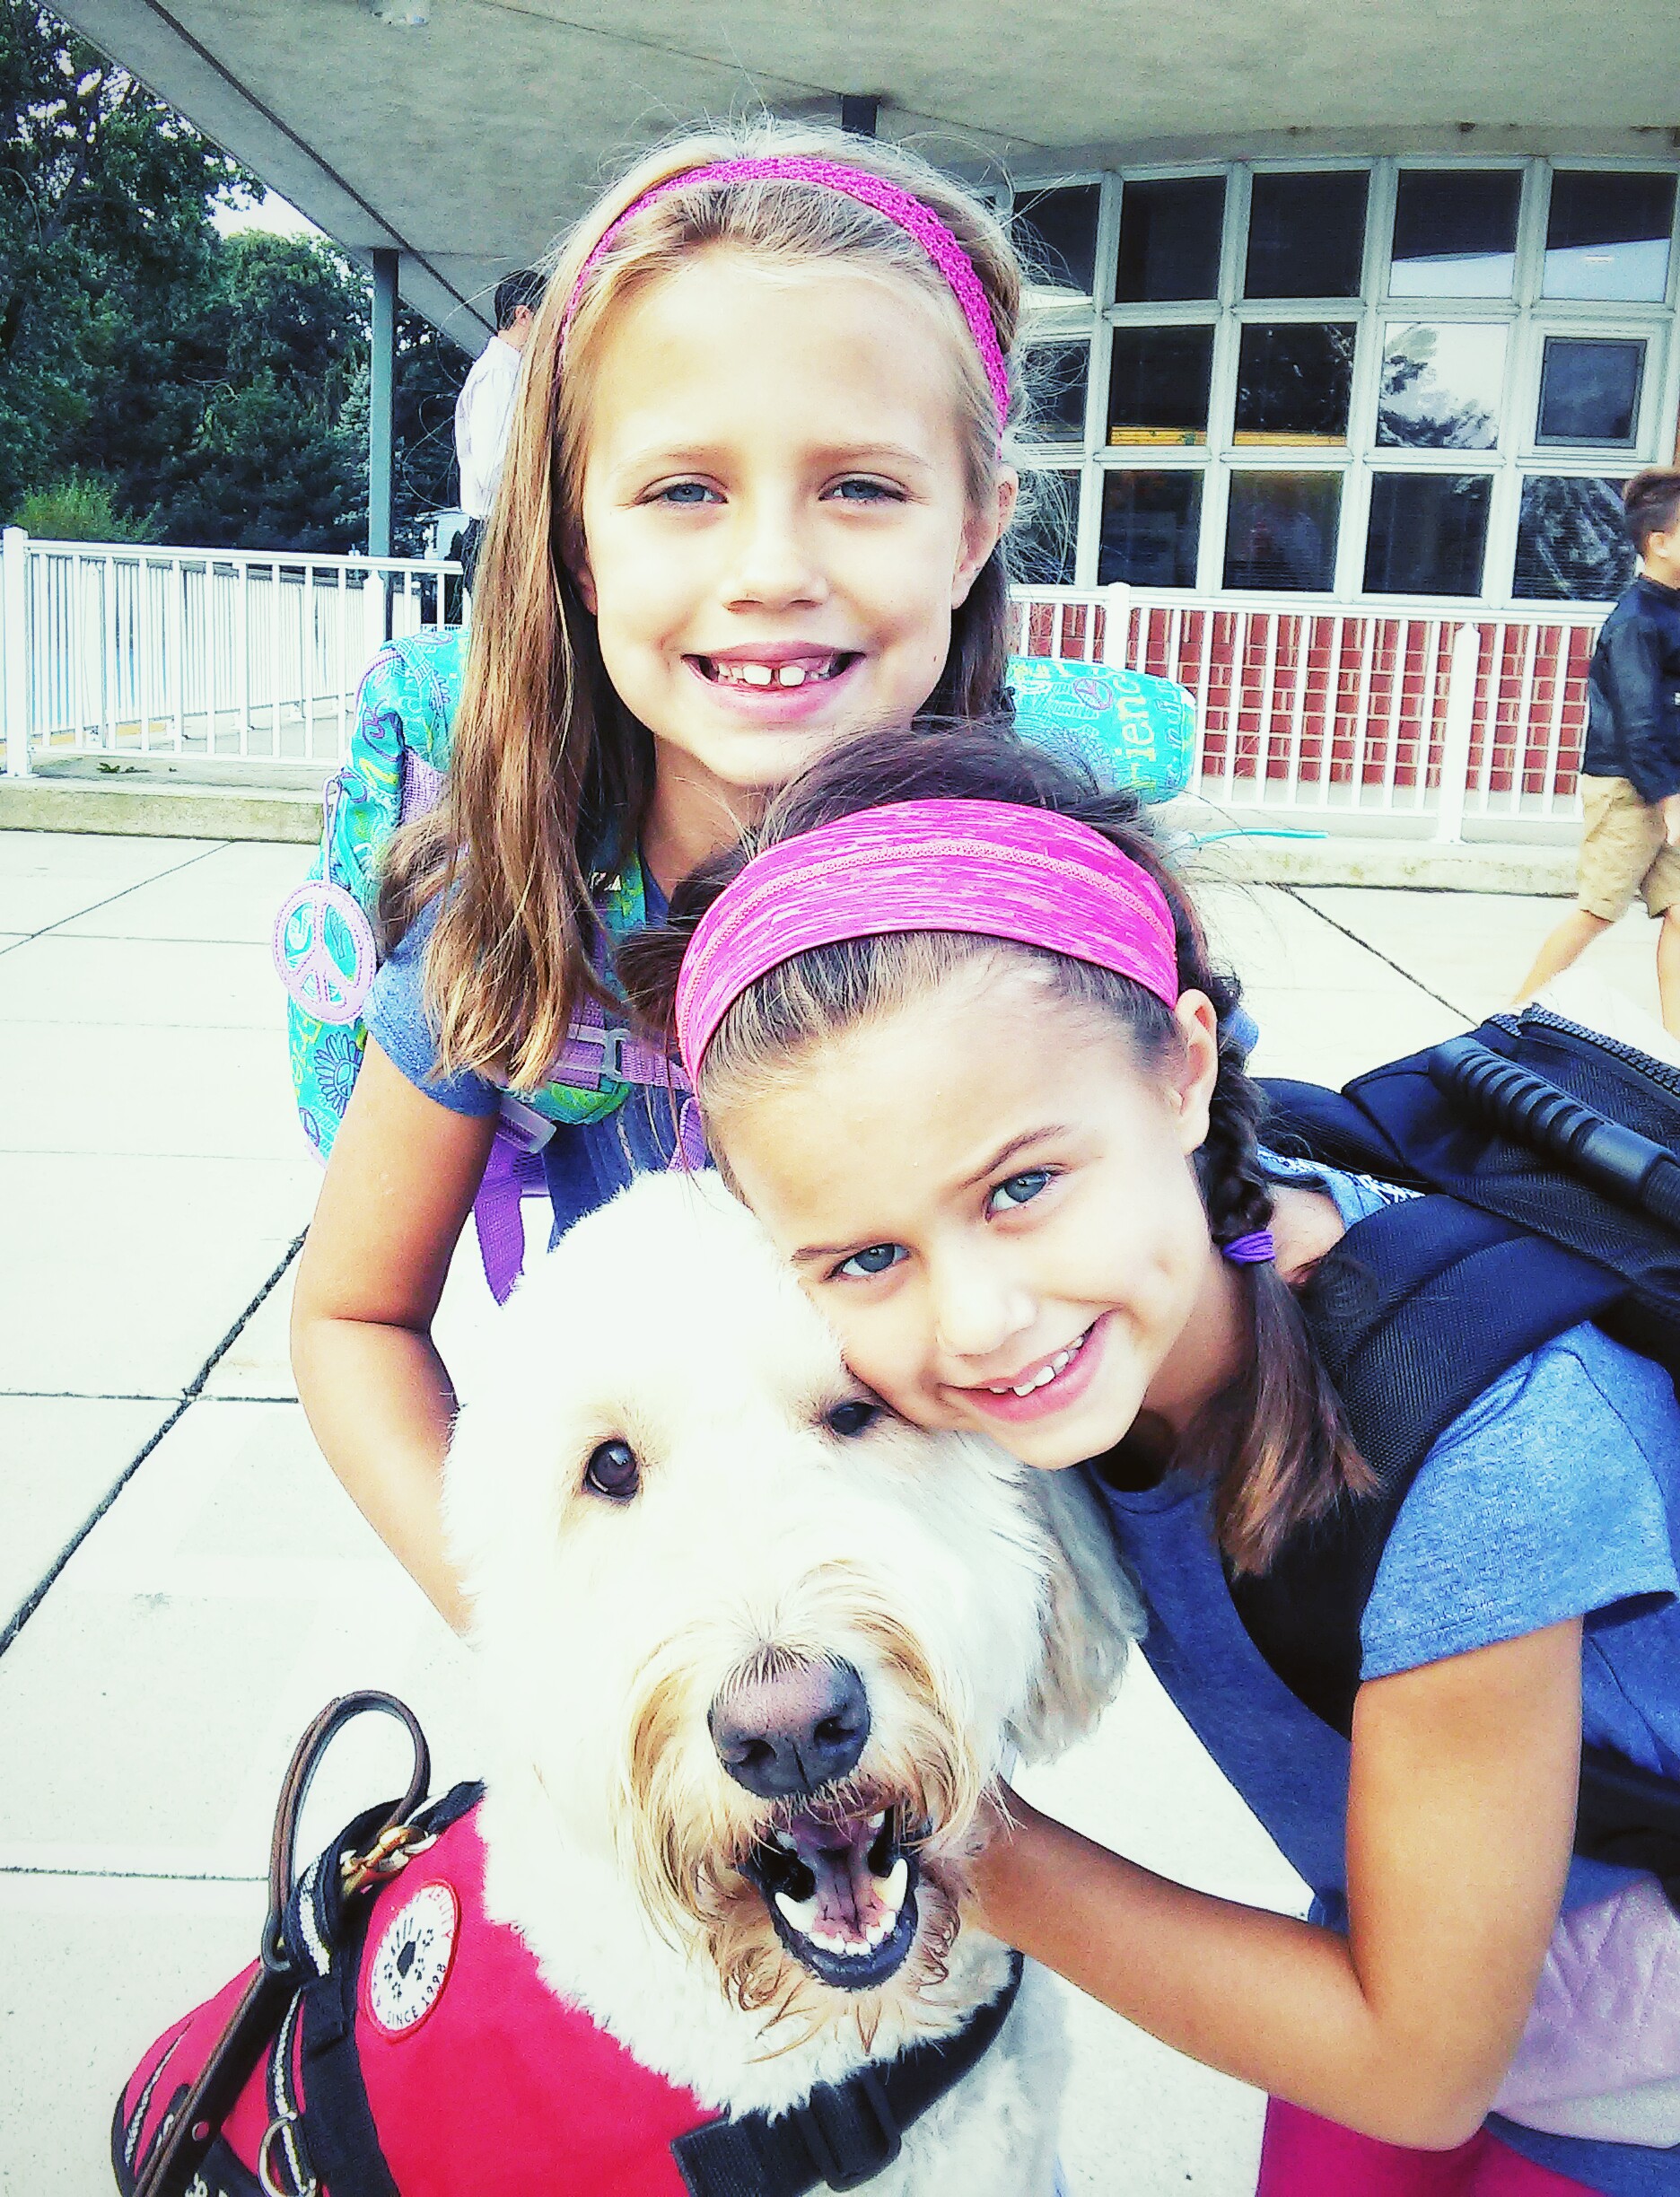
(1630, 770)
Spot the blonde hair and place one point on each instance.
(551, 775)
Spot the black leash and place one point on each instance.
(846, 2133)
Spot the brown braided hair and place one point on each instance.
(1275, 1440)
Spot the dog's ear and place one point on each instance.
(1092, 1615)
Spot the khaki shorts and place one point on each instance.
(1623, 852)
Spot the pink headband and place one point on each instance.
(990, 869)
(898, 205)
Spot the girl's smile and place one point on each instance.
(993, 1200)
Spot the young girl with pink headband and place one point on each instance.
(753, 500)
(959, 1043)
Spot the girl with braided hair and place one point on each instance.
(958, 1040)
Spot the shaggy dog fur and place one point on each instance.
(756, 1530)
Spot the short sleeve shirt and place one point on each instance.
(584, 1163)
(1556, 1495)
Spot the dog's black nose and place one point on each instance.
(798, 1727)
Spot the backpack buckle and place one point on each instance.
(849, 2130)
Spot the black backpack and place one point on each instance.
(1549, 1161)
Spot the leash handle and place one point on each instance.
(256, 2019)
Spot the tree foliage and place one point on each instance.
(214, 387)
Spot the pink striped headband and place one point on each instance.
(989, 868)
(899, 207)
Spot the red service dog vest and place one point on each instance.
(425, 2058)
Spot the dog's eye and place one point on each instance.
(852, 1417)
(613, 1471)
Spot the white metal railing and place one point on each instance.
(1413, 710)
(118, 649)
(1440, 718)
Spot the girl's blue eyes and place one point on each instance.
(876, 1260)
(1019, 1190)
(689, 495)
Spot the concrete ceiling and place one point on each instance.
(468, 140)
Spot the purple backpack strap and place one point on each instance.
(512, 1173)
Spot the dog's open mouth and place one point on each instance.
(841, 1891)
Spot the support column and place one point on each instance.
(381, 374)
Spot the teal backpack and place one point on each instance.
(1131, 731)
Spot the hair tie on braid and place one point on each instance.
(1256, 1249)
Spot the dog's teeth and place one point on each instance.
(801, 1914)
(780, 1838)
(894, 1885)
(875, 1822)
(877, 1932)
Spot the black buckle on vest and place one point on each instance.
(836, 2125)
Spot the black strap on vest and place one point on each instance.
(846, 2133)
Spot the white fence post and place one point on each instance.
(1455, 762)
(15, 704)
(1117, 623)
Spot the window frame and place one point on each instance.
(1516, 454)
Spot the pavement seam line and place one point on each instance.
(1440, 999)
(189, 1397)
(111, 899)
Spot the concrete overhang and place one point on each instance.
(466, 141)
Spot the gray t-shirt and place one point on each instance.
(1556, 1495)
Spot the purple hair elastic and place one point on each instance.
(1258, 1248)
(900, 207)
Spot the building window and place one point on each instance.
(1306, 235)
(1427, 533)
(1171, 234)
(1358, 378)
(1455, 232)
(1608, 236)
(1150, 522)
(1043, 539)
(1057, 375)
(1056, 232)
(1589, 390)
(1281, 530)
(1441, 383)
(1571, 543)
(1294, 381)
(1159, 382)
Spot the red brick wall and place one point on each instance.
(1362, 695)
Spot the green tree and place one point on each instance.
(214, 389)
(105, 199)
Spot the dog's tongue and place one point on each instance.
(847, 1900)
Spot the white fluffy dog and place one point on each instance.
(757, 1648)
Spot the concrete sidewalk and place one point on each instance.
(179, 1633)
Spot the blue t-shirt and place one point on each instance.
(585, 1163)
(1556, 1495)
